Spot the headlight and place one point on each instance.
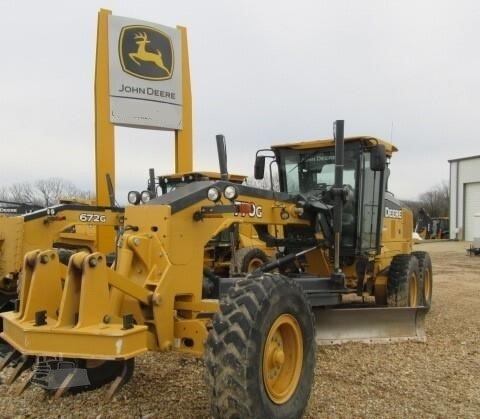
(213, 194)
(134, 197)
(145, 196)
(230, 192)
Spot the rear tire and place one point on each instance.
(248, 259)
(403, 282)
(426, 281)
(260, 352)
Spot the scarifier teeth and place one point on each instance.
(21, 364)
(65, 385)
(116, 384)
(24, 384)
(9, 358)
(58, 375)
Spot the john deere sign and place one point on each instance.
(145, 74)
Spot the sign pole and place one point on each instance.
(104, 130)
(183, 137)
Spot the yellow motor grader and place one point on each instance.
(345, 271)
(69, 226)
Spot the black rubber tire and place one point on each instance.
(426, 278)
(50, 373)
(248, 259)
(403, 289)
(238, 348)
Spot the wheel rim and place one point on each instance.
(413, 291)
(254, 264)
(282, 358)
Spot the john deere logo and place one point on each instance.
(146, 52)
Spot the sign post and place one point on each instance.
(104, 131)
(142, 80)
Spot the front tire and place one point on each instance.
(260, 352)
(403, 282)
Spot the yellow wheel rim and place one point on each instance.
(254, 264)
(282, 358)
(413, 291)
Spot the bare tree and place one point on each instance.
(52, 189)
(436, 201)
(4, 194)
(23, 192)
(44, 192)
(432, 203)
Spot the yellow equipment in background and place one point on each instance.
(432, 228)
(69, 226)
(345, 271)
(235, 250)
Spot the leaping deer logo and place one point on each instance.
(146, 52)
(143, 55)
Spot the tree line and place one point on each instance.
(43, 192)
(47, 192)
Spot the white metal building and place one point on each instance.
(464, 198)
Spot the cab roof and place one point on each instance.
(366, 140)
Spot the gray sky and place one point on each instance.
(263, 72)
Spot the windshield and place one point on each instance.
(314, 169)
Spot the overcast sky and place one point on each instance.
(263, 72)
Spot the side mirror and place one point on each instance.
(378, 158)
(259, 168)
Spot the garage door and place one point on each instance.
(472, 207)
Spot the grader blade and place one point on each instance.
(370, 325)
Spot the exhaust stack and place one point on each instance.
(338, 276)
(222, 156)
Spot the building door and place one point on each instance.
(472, 207)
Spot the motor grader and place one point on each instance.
(345, 271)
(69, 226)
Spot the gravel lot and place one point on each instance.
(436, 379)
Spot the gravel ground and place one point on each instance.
(436, 379)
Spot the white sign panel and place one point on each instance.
(145, 74)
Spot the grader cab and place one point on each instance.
(345, 270)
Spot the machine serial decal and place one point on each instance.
(85, 217)
(257, 210)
